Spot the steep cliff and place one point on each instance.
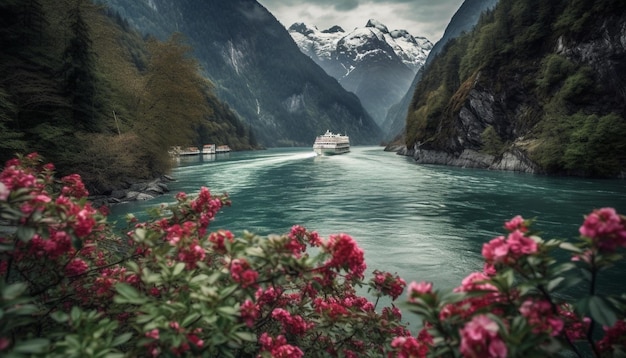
(537, 87)
(464, 20)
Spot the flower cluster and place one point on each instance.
(606, 228)
(278, 347)
(173, 288)
(515, 307)
(387, 284)
(480, 337)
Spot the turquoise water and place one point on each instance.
(424, 222)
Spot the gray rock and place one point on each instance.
(144, 196)
(118, 194)
(131, 195)
(138, 186)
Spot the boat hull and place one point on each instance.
(331, 151)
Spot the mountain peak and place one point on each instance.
(302, 28)
(378, 25)
(333, 30)
(375, 64)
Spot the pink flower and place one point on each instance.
(76, 267)
(508, 250)
(613, 337)
(84, 221)
(219, 238)
(346, 254)
(154, 334)
(409, 347)
(606, 228)
(294, 324)
(480, 338)
(4, 343)
(419, 289)
(517, 223)
(388, 284)
(278, 347)
(521, 245)
(249, 312)
(195, 340)
(74, 186)
(241, 272)
(4, 192)
(540, 316)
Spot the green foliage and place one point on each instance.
(596, 146)
(577, 86)
(492, 143)
(73, 77)
(555, 68)
(549, 99)
(583, 144)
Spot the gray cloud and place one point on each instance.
(346, 5)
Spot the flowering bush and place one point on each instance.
(71, 287)
(169, 287)
(527, 303)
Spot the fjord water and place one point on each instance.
(424, 222)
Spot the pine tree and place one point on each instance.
(79, 71)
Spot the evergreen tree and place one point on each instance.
(79, 70)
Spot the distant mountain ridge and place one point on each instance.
(373, 62)
(256, 69)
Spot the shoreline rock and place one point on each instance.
(139, 191)
(512, 160)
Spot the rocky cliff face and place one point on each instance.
(543, 111)
(463, 20)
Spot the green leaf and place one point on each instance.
(228, 291)
(25, 233)
(13, 291)
(228, 310)
(190, 318)
(199, 278)
(178, 268)
(602, 311)
(246, 336)
(36, 345)
(59, 316)
(75, 314)
(564, 267)
(570, 247)
(128, 294)
(121, 339)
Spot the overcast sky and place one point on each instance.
(427, 18)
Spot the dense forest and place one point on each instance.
(548, 77)
(81, 88)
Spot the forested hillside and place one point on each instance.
(540, 81)
(257, 69)
(81, 88)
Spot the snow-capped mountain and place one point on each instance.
(373, 62)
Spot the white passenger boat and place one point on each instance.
(330, 144)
